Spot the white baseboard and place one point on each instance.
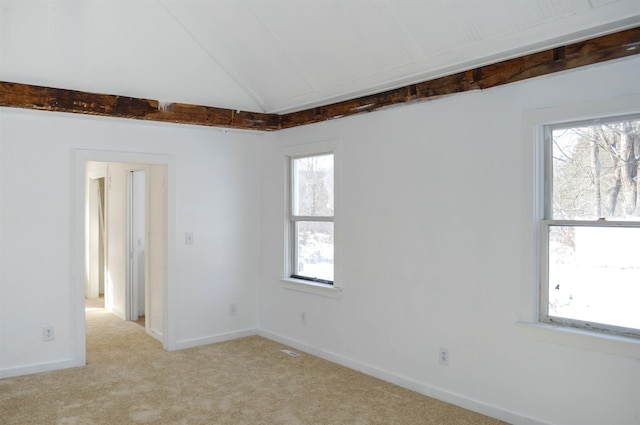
(408, 383)
(119, 314)
(153, 333)
(39, 368)
(190, 343)
(402, 381)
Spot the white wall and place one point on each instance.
(430, 231)
(156, 248)
(431, 237)
(116, 236)
(216, 197)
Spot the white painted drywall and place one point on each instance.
(116, 231)
(430, 228)
(216, 187)
(431, 241)
(93, 239)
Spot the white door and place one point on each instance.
(137, 243)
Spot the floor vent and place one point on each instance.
(290, 353)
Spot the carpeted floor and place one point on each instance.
(129, 379)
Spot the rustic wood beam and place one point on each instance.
(596, 50)
(52, 99)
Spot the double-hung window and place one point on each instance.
(591, 226)
(311, 217)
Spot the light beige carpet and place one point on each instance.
(129, 379)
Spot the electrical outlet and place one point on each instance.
(47, 334)
(303, 318)
(443, 356)
(188, 238)
(233, 309)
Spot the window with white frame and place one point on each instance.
(311, 217)
(591, 226)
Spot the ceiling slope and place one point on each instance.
(600, 49)
(280, 56)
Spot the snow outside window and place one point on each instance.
(311, 217)
(591, 226)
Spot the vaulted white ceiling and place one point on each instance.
(279, 55)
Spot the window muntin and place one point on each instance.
(311, 217)
(591, 227)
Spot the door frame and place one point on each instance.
(169, 287)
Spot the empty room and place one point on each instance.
(320, 212)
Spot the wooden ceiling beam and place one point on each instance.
(596, 50)
(17, 95)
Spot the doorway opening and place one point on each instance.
(160, 257)
(126, 208)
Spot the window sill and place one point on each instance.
(609, 344)
(309, 287)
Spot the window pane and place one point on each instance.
(594, 274)
(313, 186)
(315, 249)
(595, 171)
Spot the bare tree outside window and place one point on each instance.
(595, 171)
(312, 210)
(593, 224)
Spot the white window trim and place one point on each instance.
(301, 285)
(310, 287)
(533, 213)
